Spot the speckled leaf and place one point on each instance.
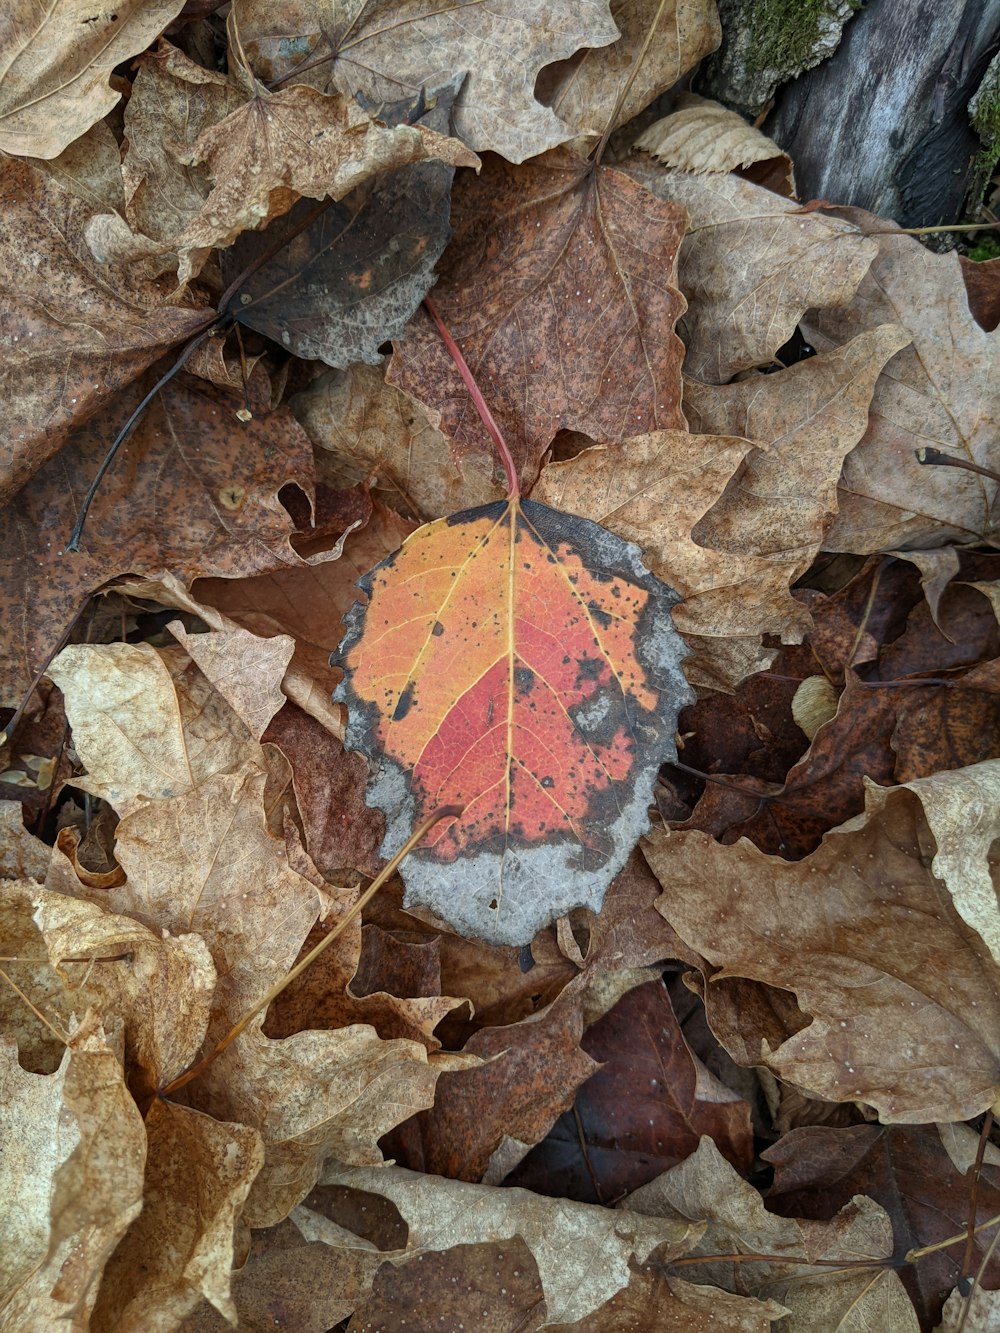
(523, 664)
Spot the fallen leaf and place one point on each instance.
(193, 492)
(977, 1312)
(706, 1189)
(383, 52)
(182, 1246)
(905, 1169)
(642, 1111)
(71, 1178)
(703, 137)
(368, 432)
(79, 331)
(559, 288)
(280, 146)
(899, 996)
(658, 44)
(246, 671)
(523, 665)
(654, 1297)
(751, 264)
(345, 282)
(58, 63)
(938, 393)
(582, 1252)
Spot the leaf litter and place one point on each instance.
(820, 881)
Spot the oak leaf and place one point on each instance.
(523, 665)
(57, 64)
(560, 289)
(383, 51)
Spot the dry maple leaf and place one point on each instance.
(521, 664)
(384, 49)
(899, 999)
(560, 289)
(57, 63)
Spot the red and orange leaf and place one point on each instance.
(521, 663)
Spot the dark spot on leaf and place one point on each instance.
(524, 679)
(548, 781)
(404, 703)
(599, 614)
(438, 629)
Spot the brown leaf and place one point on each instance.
(79, 330)
(705, 138)
(37, 1041)
(731, 527)
(750, 266)
(983, 289)
(940, 392)
(367, 432)
(559, 289)
(906, 1170)
(658, 44)
(71, 1178)
(181, 1247)
(655, 1299)
(386, 50)
(582, 1252)
(245, 670)
(900, 996)
(194, 492)
(280, 146)
(341, 831)
(705, 1188)
(641, 1112)
(57, 66)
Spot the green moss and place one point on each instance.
(984, 112)
(784, 34)
(988, 248)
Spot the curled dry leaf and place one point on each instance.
(521, 665)
(79, 331)
(704, 138)
(900, 999)
(280, 146)
(706, 1189)
(559, 288)
(659, 42)
(71, 1178)
(381, 52)
(367, 432)
(751, 265)
(57, 65)
(941, 392)
(181, 1247)
(582, 1252)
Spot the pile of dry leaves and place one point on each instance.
(756, 1088)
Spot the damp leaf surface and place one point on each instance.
(520, 663)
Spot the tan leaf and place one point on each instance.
(141, 734)
(39, 1037)
(181, 1247)
(57, 61)
(659, 43)
(383, 51)
(78, 330)
(704, 137)
(314, 1095)
(975, 1312)
(582, 1251)
(368, 432)
(71, 1179)
(962, 808)
(706, 1189)
(22, 855)
(246, 671)
(158, 985)
(280, 146)
(941, 392)
(899, 1002)
(750, 266)
(172, 101)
